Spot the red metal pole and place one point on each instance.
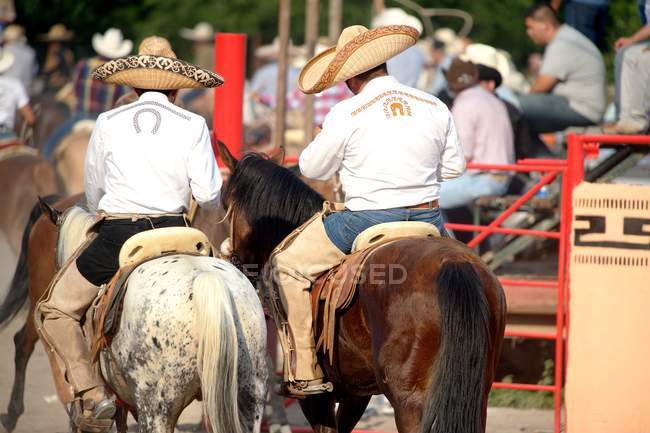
(230, 63)
(512, 209)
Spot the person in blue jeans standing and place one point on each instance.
(392, 145)
(589, 17)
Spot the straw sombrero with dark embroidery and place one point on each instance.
(358, 50)
(157, 68)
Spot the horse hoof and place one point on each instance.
(6, 424)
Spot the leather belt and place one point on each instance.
(427, 205)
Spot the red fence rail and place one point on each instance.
(571, 172)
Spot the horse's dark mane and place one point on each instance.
(273, 200)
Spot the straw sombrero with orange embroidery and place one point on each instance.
(357, 50)
(156, 68)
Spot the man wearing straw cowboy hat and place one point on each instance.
(144, 162)
(92, 96)
(391, 144)
(59, 61)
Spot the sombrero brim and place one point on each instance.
(56, 38)
(362, 53)
(156, 73)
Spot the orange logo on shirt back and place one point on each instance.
(396, 107)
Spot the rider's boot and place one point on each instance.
(295, 265)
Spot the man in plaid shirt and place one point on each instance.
(323, 101)
(92, 96)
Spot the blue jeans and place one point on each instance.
(464, 190)
(343, 227)
(550, 113)
(64, 129)
(588, 19)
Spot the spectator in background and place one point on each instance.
(7, 13)
(570, 88)
(589, 17)
(526, 143)
(644, 11)
(323, 101)
(202, 37)
(621, 46)
(440, 61)
(25, 67)
(264, 83)
(485, 136)
(407, 66)
(93, 97)
(533, 65)
(59, 61)
(14, 98)
(633, 79)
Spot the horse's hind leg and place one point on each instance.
(24, 341)
(350, 411)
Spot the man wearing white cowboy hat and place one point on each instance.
(144, 162)
(14, 98)
(25, 66)
(202, 37)
(391, 144)
(93, 97)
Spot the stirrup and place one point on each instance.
(93, 418)
(304, 388)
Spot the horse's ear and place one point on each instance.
(51, 212)
(278, 156)
(226, 156)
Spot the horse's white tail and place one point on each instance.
(217, 353)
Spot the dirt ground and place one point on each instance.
(44, 414)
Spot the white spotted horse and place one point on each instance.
(191, 327)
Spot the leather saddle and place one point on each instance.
(335, 290)
(138, 249)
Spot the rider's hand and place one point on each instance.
(622, 42)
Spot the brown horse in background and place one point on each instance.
(23, 179)
(430, 343)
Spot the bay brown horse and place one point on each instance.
(22, 179)
(430, 342)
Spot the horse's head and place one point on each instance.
(265, 202)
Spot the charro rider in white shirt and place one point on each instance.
(144, 162)
(391, 144)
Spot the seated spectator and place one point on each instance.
(631, 97)
(570, 88)
(485, 136)
(527, 144)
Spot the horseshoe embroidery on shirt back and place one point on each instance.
(147, 110)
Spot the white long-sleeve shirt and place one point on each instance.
(391, 144)
(149, 157)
